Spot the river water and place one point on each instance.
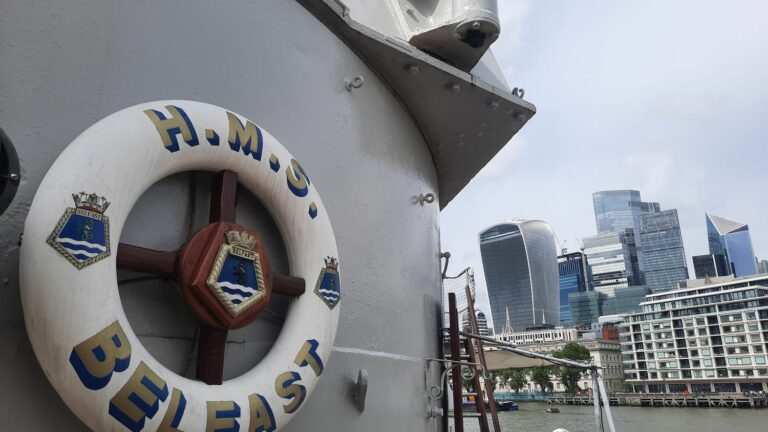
(532, 418)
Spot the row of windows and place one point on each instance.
(704, 300)
(694, 353)
(730, 323)
(706, 373)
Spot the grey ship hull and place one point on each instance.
(66, 64)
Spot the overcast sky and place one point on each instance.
(666, 97)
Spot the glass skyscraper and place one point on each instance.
(710, 266)
(663, 252)
(612, 259)
(619, 210)
(587, 307)
(732, 240)
(573, 278)
(520, 266)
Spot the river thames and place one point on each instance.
(532, 418)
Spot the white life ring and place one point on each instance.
(72, 308)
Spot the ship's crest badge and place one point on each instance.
(328, 287)
(82, 234)
(236, 276)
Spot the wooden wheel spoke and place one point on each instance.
(223, 197)
(211, 344)
(287, 285)
(145, 260)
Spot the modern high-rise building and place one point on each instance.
(574, 277)
(587, 307)
(482, 323)
(732, 240)
(619, 211)
(711, 266)
(520, 265)
(612, 259)
(709, 335)
(662, 250)
(762, 266)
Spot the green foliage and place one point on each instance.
(570, 376)
(540, 376)
(513, 378)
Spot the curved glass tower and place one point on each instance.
(732, 240)
(520, 265)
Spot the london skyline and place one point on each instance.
(651, 111)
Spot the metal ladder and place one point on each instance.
(472, 355)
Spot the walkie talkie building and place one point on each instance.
(520, 266)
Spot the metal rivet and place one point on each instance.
(519, 117)
(355, 82)
(455, 88)
(476, 25)
(414, 69)
(494, 105)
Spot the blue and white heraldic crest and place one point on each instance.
(236, 276)
(327, 287)
(82, 234)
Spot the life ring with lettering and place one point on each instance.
(72, 310)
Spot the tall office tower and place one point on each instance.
(619, 210)
(482, 323)
(732, 239)
(612, 259)
(710, 266)
(762, 266)
(587, 307)
(663, 252)
(573, 278)
(520, 265)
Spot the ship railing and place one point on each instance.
(602, 410)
